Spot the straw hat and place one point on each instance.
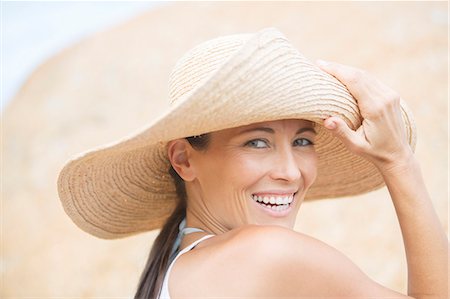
(124, 188)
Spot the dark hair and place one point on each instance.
(158, 261)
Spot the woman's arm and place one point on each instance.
(381, 139)
(425, 241)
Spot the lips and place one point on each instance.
(275, 202)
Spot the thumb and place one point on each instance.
(340, 130)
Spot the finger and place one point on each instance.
(371, 94)
(353, 78)
(340, 130)
(335, 68)
(339, 70)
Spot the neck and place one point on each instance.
(202, 221)
(200, 217)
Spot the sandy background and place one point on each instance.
(114, 82)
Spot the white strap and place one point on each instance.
(183, 230)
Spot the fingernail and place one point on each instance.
(322, 62)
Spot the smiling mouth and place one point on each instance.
(274, 202)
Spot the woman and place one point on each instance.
(255, 129)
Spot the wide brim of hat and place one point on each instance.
(124, 188)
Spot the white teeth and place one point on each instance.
(274, 200)
(278, 203)
(278, 208)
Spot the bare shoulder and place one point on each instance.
(267, 261)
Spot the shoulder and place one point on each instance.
(270, 261)
(285, 248)
(273, 237)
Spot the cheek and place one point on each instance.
(240, 174)
(226, 187)
(308, 166)
(227, 178)
(249, 168)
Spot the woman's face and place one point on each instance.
(255, 174)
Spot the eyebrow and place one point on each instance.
(270, 130)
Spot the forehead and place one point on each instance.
(283, 123)
(276, 125)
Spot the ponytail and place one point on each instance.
(159, 259)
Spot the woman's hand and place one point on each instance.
(381, 138)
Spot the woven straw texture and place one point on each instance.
(225, 82)
(237, 80)
(116, 81)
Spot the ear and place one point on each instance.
(178, 152)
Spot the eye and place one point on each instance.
(257, 143)
(302, 142)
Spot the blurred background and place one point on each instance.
(78, 75)
(32, 32)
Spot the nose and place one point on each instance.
(285, 166)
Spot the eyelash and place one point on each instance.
(248, 143)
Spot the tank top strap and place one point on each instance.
(164, 292)
(182, 230)
(193, 244)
